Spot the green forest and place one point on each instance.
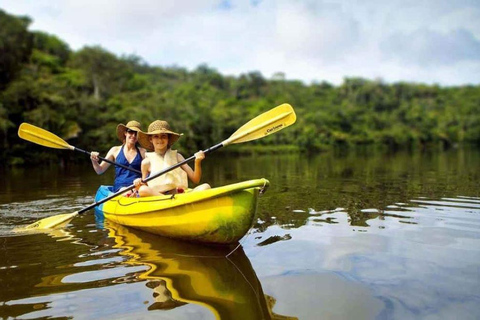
(83, 95)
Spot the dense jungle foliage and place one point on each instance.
(82, 95)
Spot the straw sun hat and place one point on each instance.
(157, 127)
(122, 128)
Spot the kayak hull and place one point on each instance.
(220, 215)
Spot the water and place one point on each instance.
(356, 236)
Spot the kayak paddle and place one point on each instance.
(263, 125)
(45, 138)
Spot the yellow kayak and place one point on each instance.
(220, 215)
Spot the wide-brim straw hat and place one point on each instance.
(157, 127)
(132, 125)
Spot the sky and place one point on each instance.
(420, 41)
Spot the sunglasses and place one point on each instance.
(132, 132)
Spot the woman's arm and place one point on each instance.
(145, 167)
(102, 167)
(194, 175)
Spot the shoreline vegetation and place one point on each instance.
(82, 95)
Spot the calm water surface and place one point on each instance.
(355, 236)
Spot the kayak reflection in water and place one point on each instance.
(220, 279)
(160, 138)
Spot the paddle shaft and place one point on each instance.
(106, 160)
(156, 175)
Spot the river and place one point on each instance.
(357, 235)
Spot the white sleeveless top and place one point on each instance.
(178, 177)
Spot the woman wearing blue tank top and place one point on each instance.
(127, 154)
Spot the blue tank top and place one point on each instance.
(124, 177)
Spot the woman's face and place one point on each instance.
(131, 136)
(160, 141)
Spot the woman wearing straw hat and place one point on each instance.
(128, 154)
(160, 138)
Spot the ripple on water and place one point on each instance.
(22, 213)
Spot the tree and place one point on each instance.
(51, 45)
(106, 73)
(15, 46)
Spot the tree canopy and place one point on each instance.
(82, 96)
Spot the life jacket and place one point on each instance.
(177, 177)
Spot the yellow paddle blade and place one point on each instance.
(42, 137)
(265, 124)
(49, 223)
